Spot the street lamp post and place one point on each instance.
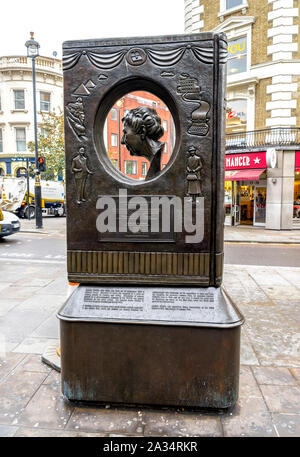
(33, 52)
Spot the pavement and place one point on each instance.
(31, 403)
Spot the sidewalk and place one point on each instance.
(239, 234)
(31, 403)
(246, 234)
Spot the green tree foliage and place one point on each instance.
(51, 145)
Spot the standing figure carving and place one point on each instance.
(81, 172)
(194, 165)
(141, 131)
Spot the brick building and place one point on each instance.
(133, 166)
(263, 79)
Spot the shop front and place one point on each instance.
(245, 188)
(296, 209)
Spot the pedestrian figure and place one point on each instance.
(81, 172)
(194, 166)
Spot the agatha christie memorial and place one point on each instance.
(149, 323)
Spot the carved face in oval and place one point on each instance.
(133, 141)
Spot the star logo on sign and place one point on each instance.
(257, 160)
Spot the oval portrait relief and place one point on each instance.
(139, 135)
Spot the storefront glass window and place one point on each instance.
(236, 116)
(237, 56)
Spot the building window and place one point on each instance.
(1, 141)
(19, 97)
(165, 149)
(21, 139)
(130, 167)
(2, 172)
(236, 116)
(237, 56)
(144, 168)
(45, 101)
(114, 114)
(21, 172)
(165, 125)
(232, 3)
(0, 104)
(44, 132)
(114, 140)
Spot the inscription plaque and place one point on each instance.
(159, 305)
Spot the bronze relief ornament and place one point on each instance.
(141, 131)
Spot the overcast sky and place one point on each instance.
(55, 21)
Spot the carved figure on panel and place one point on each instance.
(81, 172)
(76, 117)
(193, 168)
(141, 131)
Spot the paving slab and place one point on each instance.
(250, 417)
(47, 433)
(248, 386)
(46, 409)
(247, 354)
(7, 431)
(161, 423)
(19, 292)
(33, 345)
(277, 376)
(32, 362)
(296, 373)
(6, 304)
(282, 399)
(276, 340)
(9, 361)
(287, 425)
(48, 329)
(15, 392)
(102, 420)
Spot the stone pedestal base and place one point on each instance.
(150, 346)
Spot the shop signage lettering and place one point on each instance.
(239, 47)
(245, 161)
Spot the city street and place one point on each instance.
(50, 246)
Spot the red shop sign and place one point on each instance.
(297, 160)
(245, 161)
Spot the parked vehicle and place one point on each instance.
(9, 223)
(14, 197)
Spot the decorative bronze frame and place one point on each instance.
(188, 73)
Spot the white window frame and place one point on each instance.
(115, 137)
(114, 110)
(19, 128)
(14, 93)
(235, 34)
(144, 164)
(132, 162)
(42, 101)
(224, 11)
(247, 54)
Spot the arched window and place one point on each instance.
(21, 172)
(2, 172)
